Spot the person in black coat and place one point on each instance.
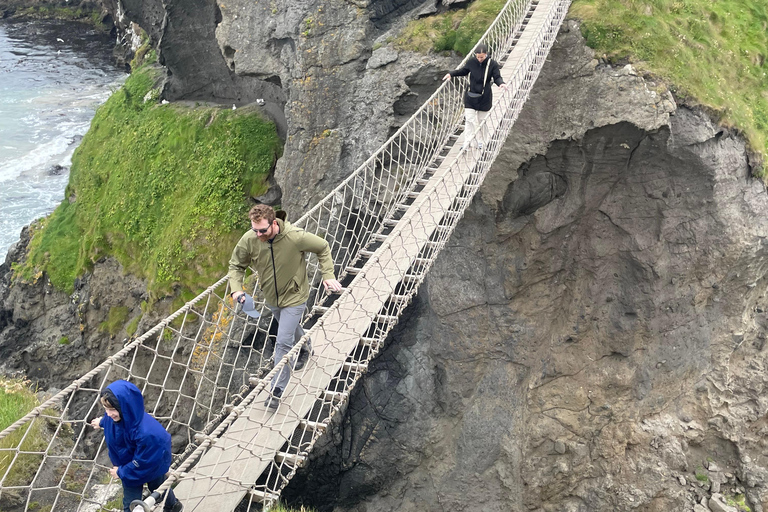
(478, 98)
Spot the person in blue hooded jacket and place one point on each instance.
(138, 445)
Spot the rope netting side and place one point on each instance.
(52, 458)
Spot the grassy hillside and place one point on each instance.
(16, 400)
(712, 53)
(163, 188)
(455, 30)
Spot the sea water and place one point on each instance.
(53, 76)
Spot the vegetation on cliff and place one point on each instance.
(16, 400)
(454, 30)
(163, 188)
(711, 53)
(86, 11)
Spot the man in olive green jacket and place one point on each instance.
(276, 250)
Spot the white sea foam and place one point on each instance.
(47, 101)
(36, 159)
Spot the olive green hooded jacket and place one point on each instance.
(280, 264)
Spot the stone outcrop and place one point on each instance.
(339, 95)
(309, 63)
(592, 337)
(54, 338)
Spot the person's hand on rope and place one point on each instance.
(503, 87)
(96, 422)
(332, 285)
(447, 77)
(237, 295)
(113, 472)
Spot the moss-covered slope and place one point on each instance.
(163, 188)
(711, 53)
(454, 30)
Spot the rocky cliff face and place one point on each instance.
(334, 100)
(54, 338)
(592, 338)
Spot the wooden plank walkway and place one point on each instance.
(226, 472)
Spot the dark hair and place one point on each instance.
(109, 398)
(481, 48)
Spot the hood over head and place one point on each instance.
(131, 403)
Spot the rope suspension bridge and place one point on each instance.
(205, 370)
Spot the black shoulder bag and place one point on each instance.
(485, 79)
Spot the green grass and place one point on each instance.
(162, 188)
(144, 54)
(114, 504)
(55, 12)
(455, 30)
(179, 301)
(282, 508)
(35, 506)
(132, 326)
(711, 53)
(116, 318)
(739, 501)
(16, 400)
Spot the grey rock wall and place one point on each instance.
(308, 60)
(592, 337)
(52, 337)
(339, 95)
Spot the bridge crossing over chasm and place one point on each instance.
(204, 369)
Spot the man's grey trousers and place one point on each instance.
(289, 332)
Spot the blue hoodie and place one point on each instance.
(138, 444)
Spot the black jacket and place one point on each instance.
(476, 71)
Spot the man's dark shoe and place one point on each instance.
(178, 507)
(273, 400)
(304, 354)
(301, 361)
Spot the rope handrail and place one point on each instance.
(58, 397)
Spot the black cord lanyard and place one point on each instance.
(274, 273)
